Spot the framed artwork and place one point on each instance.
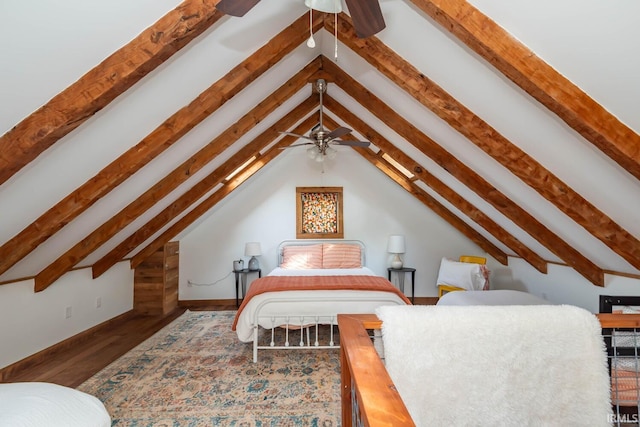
(319, 213)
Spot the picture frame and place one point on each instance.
(319, 213)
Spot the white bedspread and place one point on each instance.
(496, 297)
(38, 404)
(540, 365)
(310, 303)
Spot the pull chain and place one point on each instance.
(311, 42)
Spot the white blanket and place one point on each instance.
(37, 404)
(540, 365)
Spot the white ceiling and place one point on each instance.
(594, 43)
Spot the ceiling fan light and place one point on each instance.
(328, 6)
(331, 153)
(312, 152)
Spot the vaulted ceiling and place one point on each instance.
(174, 195)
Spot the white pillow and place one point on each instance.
(461, 274)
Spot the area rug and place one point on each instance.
(195, 372)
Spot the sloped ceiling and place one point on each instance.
(507, 149)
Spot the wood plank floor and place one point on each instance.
(73, 366)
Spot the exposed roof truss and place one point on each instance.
(114, 76)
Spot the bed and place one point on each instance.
(491, 297)
(314, 281)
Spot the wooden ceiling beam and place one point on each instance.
(549, 186)
(389, 64)
(101, 85)
(170, 182)
(435, 206)
(165, 135)
(425, 198)
(226, 189)
(421, 174)
(199, 190)
(465, 174)
(538, 79)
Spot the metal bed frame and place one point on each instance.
(294, 326)
(294, 334)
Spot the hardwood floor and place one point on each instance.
(72, 366)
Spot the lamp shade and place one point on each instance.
(252, 249)
(396, 244)
(328, 6)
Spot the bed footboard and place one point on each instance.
(276, 326)
(289, 332)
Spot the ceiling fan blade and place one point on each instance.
(367, 17)
(236, 7)
(337, 133)
(299, 136)
(297, 145)
(352, 143)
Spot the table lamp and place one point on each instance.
(396, 247)
(252, 249)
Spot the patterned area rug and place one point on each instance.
(195, 372)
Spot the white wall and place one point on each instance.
(30, 322)
(263, 210)
(561, 285)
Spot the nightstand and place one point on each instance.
(241, 279)
(401, 273)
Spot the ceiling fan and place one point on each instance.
(366, 14)
(321, 138)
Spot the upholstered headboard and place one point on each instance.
(310, 242)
